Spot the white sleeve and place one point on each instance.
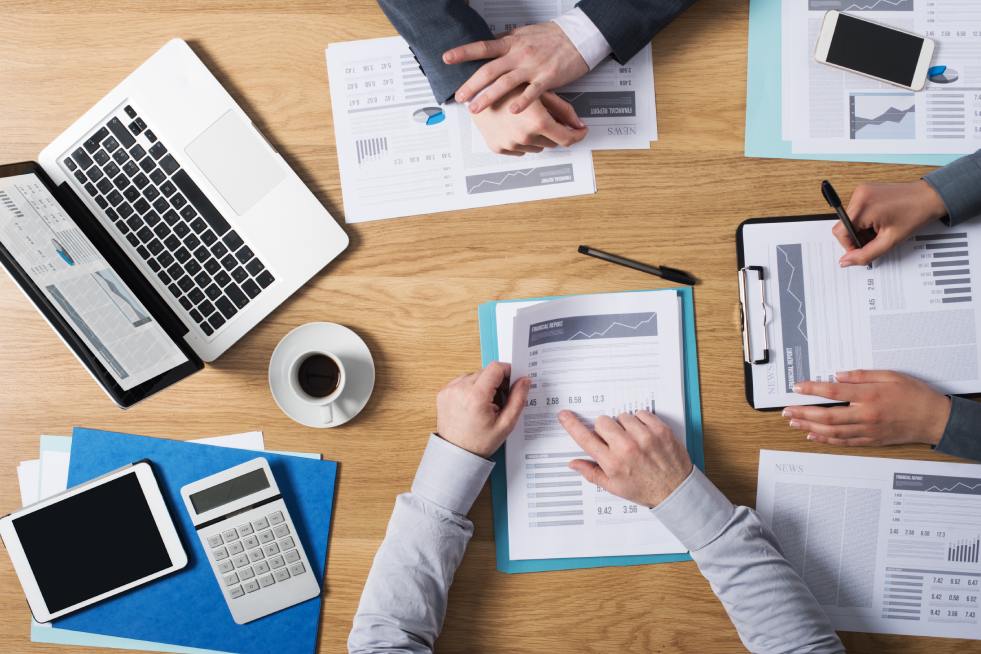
(587, 38)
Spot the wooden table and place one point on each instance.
(410, 287)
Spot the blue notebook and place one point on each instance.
(763, 98)
(487, 316)
(187, 607)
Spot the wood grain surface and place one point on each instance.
(411, 286)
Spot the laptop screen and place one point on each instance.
(52, 250)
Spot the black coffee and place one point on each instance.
(318, 375)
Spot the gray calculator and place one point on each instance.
(250, 540)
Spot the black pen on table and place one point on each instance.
(829, 193)
(670, 274)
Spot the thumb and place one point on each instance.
(508, 417)
(881, 244)
(591, 472)
(562, 111)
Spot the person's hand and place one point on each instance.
(636, 456)
(885, 408)
(467, 416)
(541, 56)
(893, 211)
(548, 122)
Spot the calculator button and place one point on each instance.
(270, 549)
(241, 560)
(245, 573)
(266, 537)
(250, 542)
(284, 544)
(214, 541)
(277, 561)
(226, 566)
(297, 569)
(251, 586)
(266, 580)
(281, 575)
(231, 579)
(261, 568)
(292, 556)
(260, 524)
(276, 518)
(229, 535)
(220, 554)
(280, 531)
(244, 530)
(235, 547)
(256, 555)
(236, 592)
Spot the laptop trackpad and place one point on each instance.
(236, 160)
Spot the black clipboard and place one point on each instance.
(752, 274)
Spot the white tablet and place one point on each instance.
(93, 541)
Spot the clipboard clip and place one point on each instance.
(744, 275)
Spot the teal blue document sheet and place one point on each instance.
(763, 98)
(487, 316)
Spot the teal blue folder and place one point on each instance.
(486, 314)
(763, 101)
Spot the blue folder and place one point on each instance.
(763, 99)
(487, 316)
(187, 608)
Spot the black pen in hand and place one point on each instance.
(829, 193)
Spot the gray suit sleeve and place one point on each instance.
(404, 599)
(432, 27)
(629, 25)
(767, 601)
(959, 186)
(962, 437)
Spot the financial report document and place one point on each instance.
(401, 153)
(912, 311)
(828, 110)
(77, 280)
(593, 355)
(616, 101)
(885, 545)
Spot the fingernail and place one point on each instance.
(810, 437)
(797, 388)
(794, 424)
(580, 124)
(514, 108)
(785, 413)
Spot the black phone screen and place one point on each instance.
(875, 50)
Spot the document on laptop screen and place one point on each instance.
(886, 545)
(58, 257)
(912, 311)
(401, 153)
(593, 355)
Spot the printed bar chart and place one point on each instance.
(949, 264)
(964, 551)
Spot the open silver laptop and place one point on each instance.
(214, 219)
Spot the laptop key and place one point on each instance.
(120, 132)
(169, 164)
(178, 201)
(265, 279)
(182, 255)
(174, 290)
(197, 296)
(170, 216)
(152, 218)
(233, 241)
(239, 275)
(161, 230)
(222, 279)
(192, 242)
(208, 238)
(219, 249)
(131, 169)
(125, 210)
(95, 174)
(237, 296)
(105, 186)
(186, 303)
(216, 320)
(201, 279)
(172, 242)
(120, 181)
(141, 180)
(101, 201)
(213, 292)
(195, 314)
(115, 198)
(244, 254)
(206, 309)
(131, 193)
(132, 240)
(70, 163)
(167, 188)
(141, 205)
(154, 265)
(92, 143)
(130, 111)
(157, 150)
(226, 307)
(212, 266)
(175, 271)
(143, 252)
(160, 204)
(251, 288)
(113, 216)
(148, 164)
(201, 254)
(163, 276)
(188, 214)
(135, 127)
(165, 258)
(254, 267)
(182, 230)
(185, 283)
(80, 176)
(145, 234)
(111, 145)
(150, 136)
(137, 152)
(90, 189)
(135, 222)
(157, 176)
(101, 157)
(155, 247)
(228, 262)
(82, 158)
(111, 169)
(206, 328)
(198, 225)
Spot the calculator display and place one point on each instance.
(229, 491)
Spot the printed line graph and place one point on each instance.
(861, 5)
(518, 179)
(937, 484)
(606, 331)
(957, 487)
(499, 182)
(790, 291)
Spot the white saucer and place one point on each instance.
(328, 337)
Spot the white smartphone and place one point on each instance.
(873, 50)
(93, 541)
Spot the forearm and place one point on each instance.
(431, 27)
(962, 437)
(959, 186)
(404, 599)
(766, 599)
(629, 25)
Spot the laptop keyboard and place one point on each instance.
(172, 225)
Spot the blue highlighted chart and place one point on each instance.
(942, 75)
(62, 252)
(429, 115)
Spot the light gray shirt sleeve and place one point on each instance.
(767, 601)
(404, 600)
(959, 186)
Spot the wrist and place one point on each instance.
(939, 415)
(931, 203)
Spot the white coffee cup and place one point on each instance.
(310, 378)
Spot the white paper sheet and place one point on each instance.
(402, 154)
(886, 545)
(594, 355)
(29, 481)
(913, 311)
(615, 101)
(828, 110)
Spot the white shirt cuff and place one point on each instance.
(696, 512)
(450, 476)
(584, 34)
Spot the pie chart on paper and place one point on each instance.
(429, 115)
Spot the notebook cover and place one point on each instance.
(187, 607)
(499, 485)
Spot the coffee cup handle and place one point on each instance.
(327, 413)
